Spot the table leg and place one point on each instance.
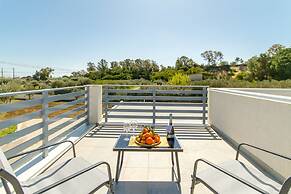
(173, 166)
(119, 164)
(178, 167)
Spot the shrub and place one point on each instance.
(180, 79)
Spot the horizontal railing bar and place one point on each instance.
(157, 117)
(179, 111)
(18, 134)
(66, 123)
(129, 110)
(132, 103)
(157, 110)
(179, 91)
(172, 86)
(19, 119)
(64, 115)
(129, 97)
(178, 98)
(62, 135)
(180, 104)
(65, 96)
(130, 116)
(20, 105)
(172, 98)
(180, 117)
(19, 148)
(157, 104)
(66, 105)
(129, 91)
(38, 91)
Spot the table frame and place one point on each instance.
(176, 173)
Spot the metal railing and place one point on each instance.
(49, 115)
(193, 97)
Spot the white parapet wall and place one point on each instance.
(260, 119)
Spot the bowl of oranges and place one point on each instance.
(148, 138)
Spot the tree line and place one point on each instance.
(271, 65)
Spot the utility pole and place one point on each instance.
(2, 72)
(13, 73)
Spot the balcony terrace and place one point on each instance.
(209, 123)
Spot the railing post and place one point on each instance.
(87, 105)
(94, 104)
(154, 106)
(45, 122)
(106, 103)
(204, 96)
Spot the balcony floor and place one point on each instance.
(139, 168)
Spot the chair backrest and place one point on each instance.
(7, 175)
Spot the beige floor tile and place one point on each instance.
(134, 174)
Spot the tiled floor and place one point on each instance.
(154, 167)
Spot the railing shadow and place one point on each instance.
(182, 133)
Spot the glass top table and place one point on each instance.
(121, 146)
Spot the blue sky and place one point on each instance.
(66, 34)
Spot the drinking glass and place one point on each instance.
(126, 128)
(133, 126)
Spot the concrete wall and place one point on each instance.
(254, 120)
(273, 91)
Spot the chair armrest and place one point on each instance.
(44, 147)
(77, 174)
(225, 172)
(286, 186)
(6, 176)
(261, 149)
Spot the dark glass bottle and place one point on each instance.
(170, 131)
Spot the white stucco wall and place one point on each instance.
(274, 91)
(254, 120)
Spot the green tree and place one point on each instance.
(274, 49)
(43, 74)
(281, 64)
(91, 71)
(102, 68)
(185, 63)
(195, 70)
(212, 57)
(259, 67)
(180, 79)
(164, 74)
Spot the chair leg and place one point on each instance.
(193, 184)
(110, 187)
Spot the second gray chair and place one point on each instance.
(235, 177)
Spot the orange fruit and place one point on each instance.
(147, 135)
(149, 141)
(157, 138)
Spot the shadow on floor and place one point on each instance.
(144, 187)
(182, 132)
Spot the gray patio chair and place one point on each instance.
(235, 177)
(74, 176)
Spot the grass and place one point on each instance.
(8, 130)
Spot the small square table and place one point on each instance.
(121, 146)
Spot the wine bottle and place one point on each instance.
(170, 131)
